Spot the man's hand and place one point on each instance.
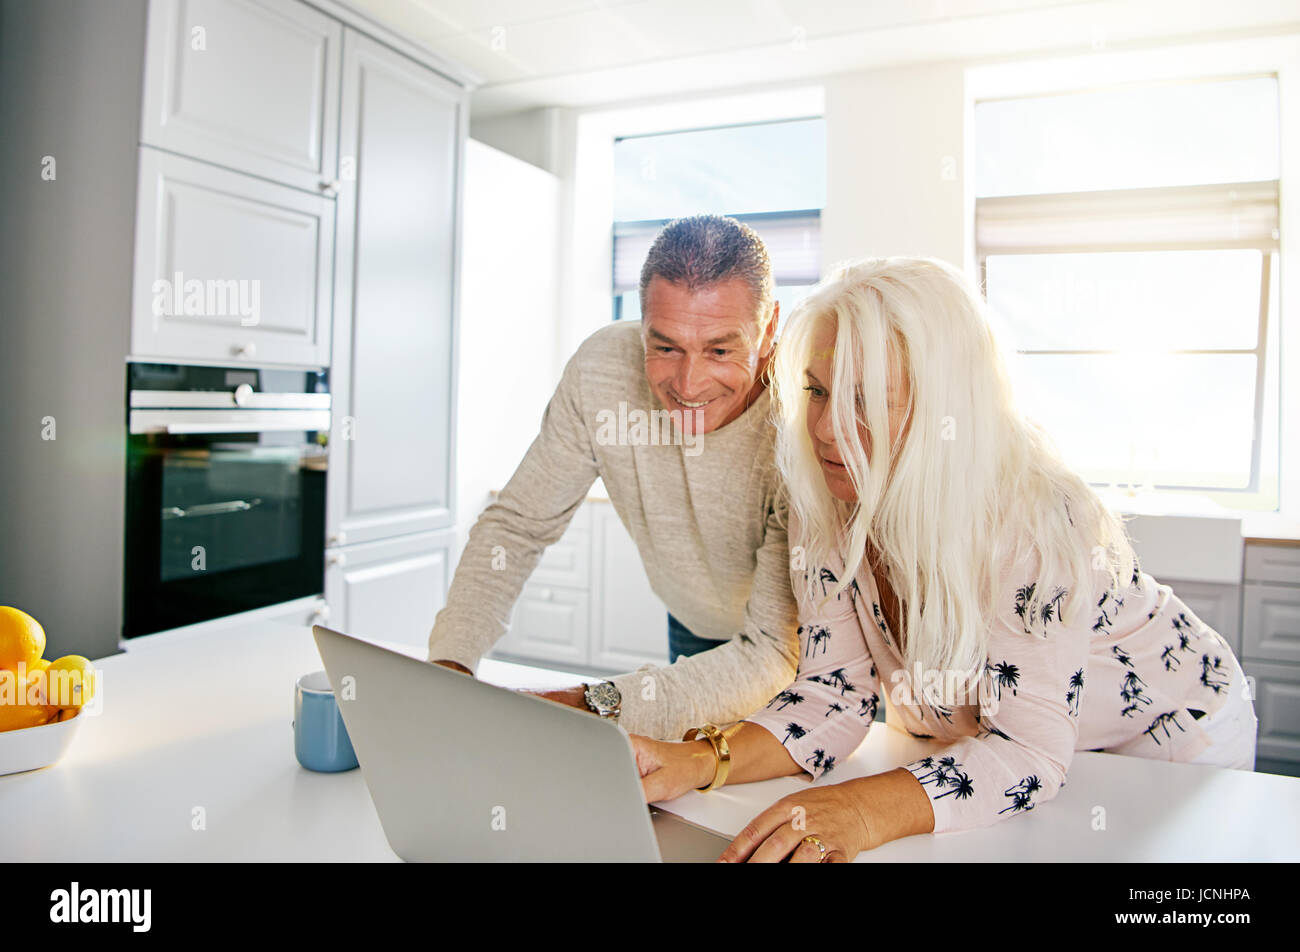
(454, 665)
(570, 697)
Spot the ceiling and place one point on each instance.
(531, 53)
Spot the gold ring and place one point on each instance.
(815, 841)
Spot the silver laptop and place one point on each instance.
(463, 771)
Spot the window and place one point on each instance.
(1127, 239)
(770, 175)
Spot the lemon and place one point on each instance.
(70, 681)
(15, 712)
(22, 639)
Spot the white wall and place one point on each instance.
(510, 267)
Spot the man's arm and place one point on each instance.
(510, 535)
(735, 679)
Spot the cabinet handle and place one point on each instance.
(545, 594)
(246, 350)
(338, 538)
(335, 558)
(330, 187)
(321, 615)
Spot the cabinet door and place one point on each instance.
(248, 84)
(1277, 705)
(1271, 625)
(549, 623)
(394, 347)
(388, 591)
(229, 268)
(629, 621)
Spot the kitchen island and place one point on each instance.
(191, 760)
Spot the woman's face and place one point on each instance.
(818, 376)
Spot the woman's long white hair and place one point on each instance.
(971, 484)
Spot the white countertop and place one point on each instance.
(196, 720)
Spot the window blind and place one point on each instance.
(1237, 215)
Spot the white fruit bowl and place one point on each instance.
(34, 747)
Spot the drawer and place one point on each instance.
(1273, 563)
(251, 85)
(1277, 705)
(566, 562)
(1271, 623)
(548, 624)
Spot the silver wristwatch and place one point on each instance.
(603, 698)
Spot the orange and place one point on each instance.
(21, 638)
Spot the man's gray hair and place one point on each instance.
(704, 250)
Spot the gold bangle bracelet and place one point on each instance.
(721, 751)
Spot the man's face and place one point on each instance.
(702, 350)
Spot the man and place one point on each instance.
(704, 506)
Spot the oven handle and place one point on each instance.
(209, 508)
(238, 421)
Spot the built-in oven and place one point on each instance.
(225, 507)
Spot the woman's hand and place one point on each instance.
(670, 769)
(847, 817)
(835, 814)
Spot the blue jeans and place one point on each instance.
(682, 642)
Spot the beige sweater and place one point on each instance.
(708, 520)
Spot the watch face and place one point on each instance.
(604, 696)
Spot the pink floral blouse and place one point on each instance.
(1131, 676)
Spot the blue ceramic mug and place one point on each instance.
(320, 738)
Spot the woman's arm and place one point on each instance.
(846, 817)
(668, 770)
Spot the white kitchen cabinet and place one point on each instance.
(229, 268)
(629, 621)
(551, 624)
(588, 604)
(391, 590)
(1270, 651)
(251, 85)
(393, 372)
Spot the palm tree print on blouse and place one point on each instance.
(836, 678)
(792, 732)
(1005, 675)
(880, 619)
(787, 697)
(825, 575)
(867, 707)
(835, 707)
(1131, 693)
(817, 635)
(1029, 610)
(1162, 722)
(816, 759)
(1104, 621)
(987, 729)
(945, 773)
(854, 592)
(1213, 675)
(1075, 692)
(1022, 794)
(1184, 644)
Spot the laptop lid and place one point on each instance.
(463, 771)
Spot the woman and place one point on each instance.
(961, 568)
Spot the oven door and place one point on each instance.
(225, 513)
